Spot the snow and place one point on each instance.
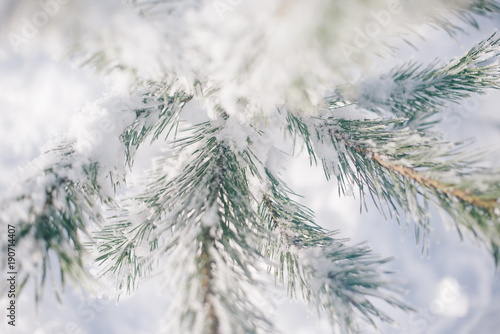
(235, 134)
(211, 217)
(40, 98)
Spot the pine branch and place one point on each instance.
(205, 222)
(465, 12)
(418, 92)
(69, 182)
(333, 277)
(202, 220)
(207, 281)
(410, 173)
(160, 116)
(405, 169)
(118, 243)
(59, 207)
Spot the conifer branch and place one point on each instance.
(213, 216)
(417, 91)
(207, 278)
(403, 169)
(333, 278)
(71, 181)
(410, 173)
(466, 11)
(159, 116)
(59, 209)
(204, 222)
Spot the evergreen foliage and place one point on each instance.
(214, 212)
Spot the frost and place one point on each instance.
(212, 205)
(211, 216)
(236, 134)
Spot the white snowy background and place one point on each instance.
(455, 289)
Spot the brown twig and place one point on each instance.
(411, 174)
(207, 277)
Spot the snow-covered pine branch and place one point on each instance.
(62, 190)
(221, 226)
(419, 91)
(203, 220)
(214, 212)
(335, 279)
(407, 169)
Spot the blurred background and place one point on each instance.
(455, 288)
